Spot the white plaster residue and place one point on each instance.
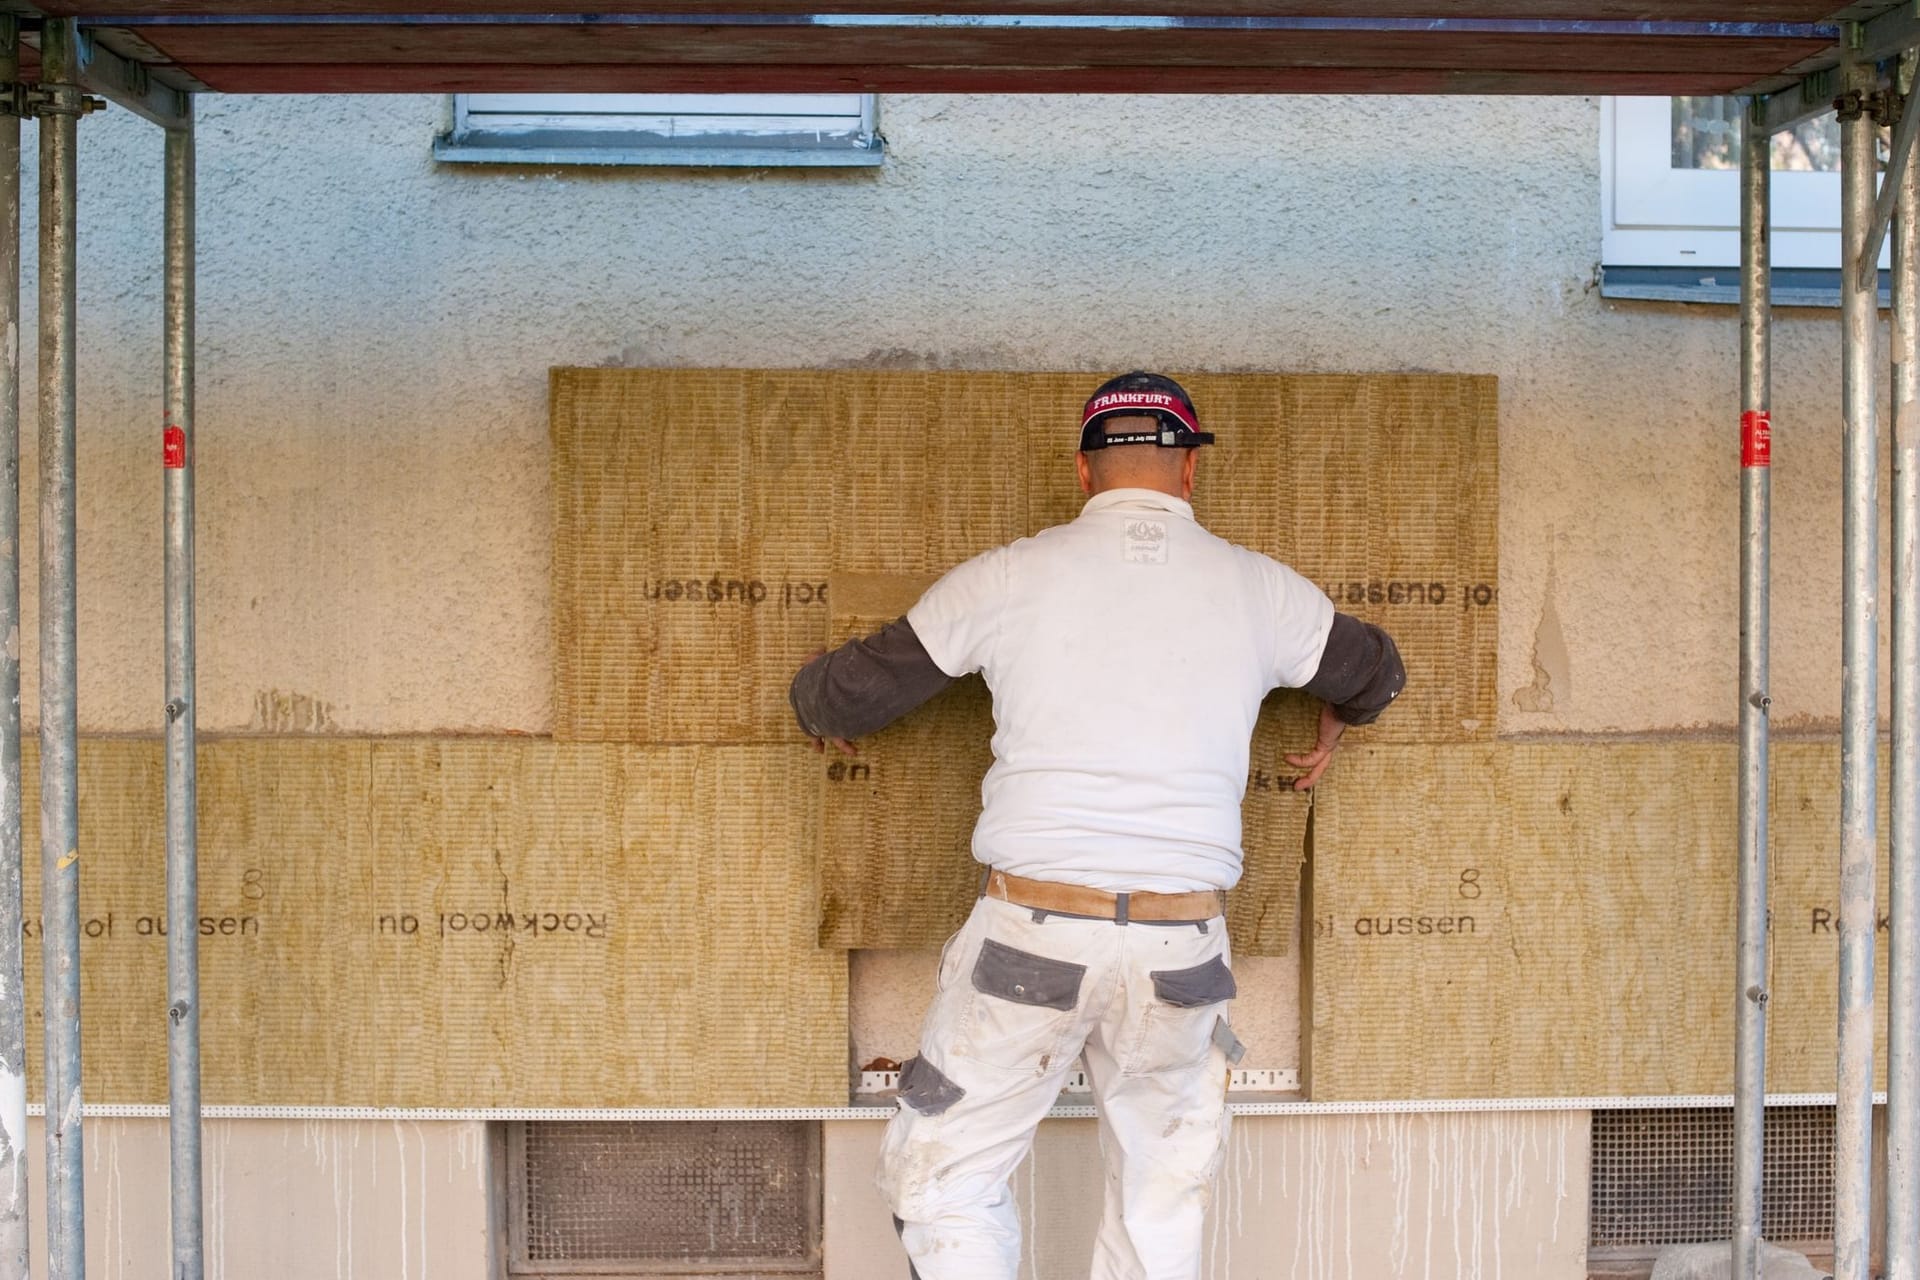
(1347, 1164)
(1400, 1154)
(1400, 1196)
(117, 1242)
(420, 1145)
(13, 1132)
(400, 1143)
(1432, 1187)
(468, 1148)
(214, 1224)
(1560, 1182)
(1260, 1162)
(341, 1166)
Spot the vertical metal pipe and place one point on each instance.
(13, 1022)
(183, 901)
(1756, 445)
(59, 746)
(1903, 978)
(1859, 699)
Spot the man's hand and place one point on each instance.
(1315, 762)
(841, 745)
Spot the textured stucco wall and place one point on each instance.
(296, 1200)
(375, 332)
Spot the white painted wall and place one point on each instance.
(294, 1200)
(375, 337)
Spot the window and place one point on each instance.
(1670, 195)
(662, 128)
(670, 1198)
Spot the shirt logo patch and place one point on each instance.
(1146, 542)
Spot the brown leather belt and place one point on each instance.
(1079, 900)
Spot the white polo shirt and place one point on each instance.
(1127, 652)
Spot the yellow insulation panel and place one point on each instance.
(688, 577)
(464, 923)
(1557, 920)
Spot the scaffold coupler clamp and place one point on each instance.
(32, 101)
(1882, 104)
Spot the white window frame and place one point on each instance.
(663, 129)
(1655, 215)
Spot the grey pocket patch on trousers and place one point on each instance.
(1023, 978)
(1207, 983)
(1228, 1043)
(925, 1089)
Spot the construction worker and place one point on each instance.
(1127, 652)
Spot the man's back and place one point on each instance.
(1128, 652)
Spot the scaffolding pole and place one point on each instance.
(1859, 698)
(183, 900)
(1903, 979)
(13, 1010)
(59, 760)
(1756, 443)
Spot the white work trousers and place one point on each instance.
(1021, 997)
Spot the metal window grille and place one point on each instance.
(1665, 1176)
(664, 1198)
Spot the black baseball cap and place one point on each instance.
(1142, 394)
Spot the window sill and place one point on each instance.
(450, 151)
(1720, 286)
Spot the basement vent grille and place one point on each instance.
(665, 1198)
(1665, 1176)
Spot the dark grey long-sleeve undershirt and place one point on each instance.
(865, 685)
(1360, 671)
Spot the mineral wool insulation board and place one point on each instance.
(1542, 920)
(821, 504)
(895, 867)
(700, 516)
(462, 923)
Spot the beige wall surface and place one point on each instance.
(375, 332)
(288, 1199)
(1469, 1196)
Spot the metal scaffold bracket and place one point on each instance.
(1887, 107)
(62, 100)
(29, 101)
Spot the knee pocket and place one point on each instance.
(926, 1089)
